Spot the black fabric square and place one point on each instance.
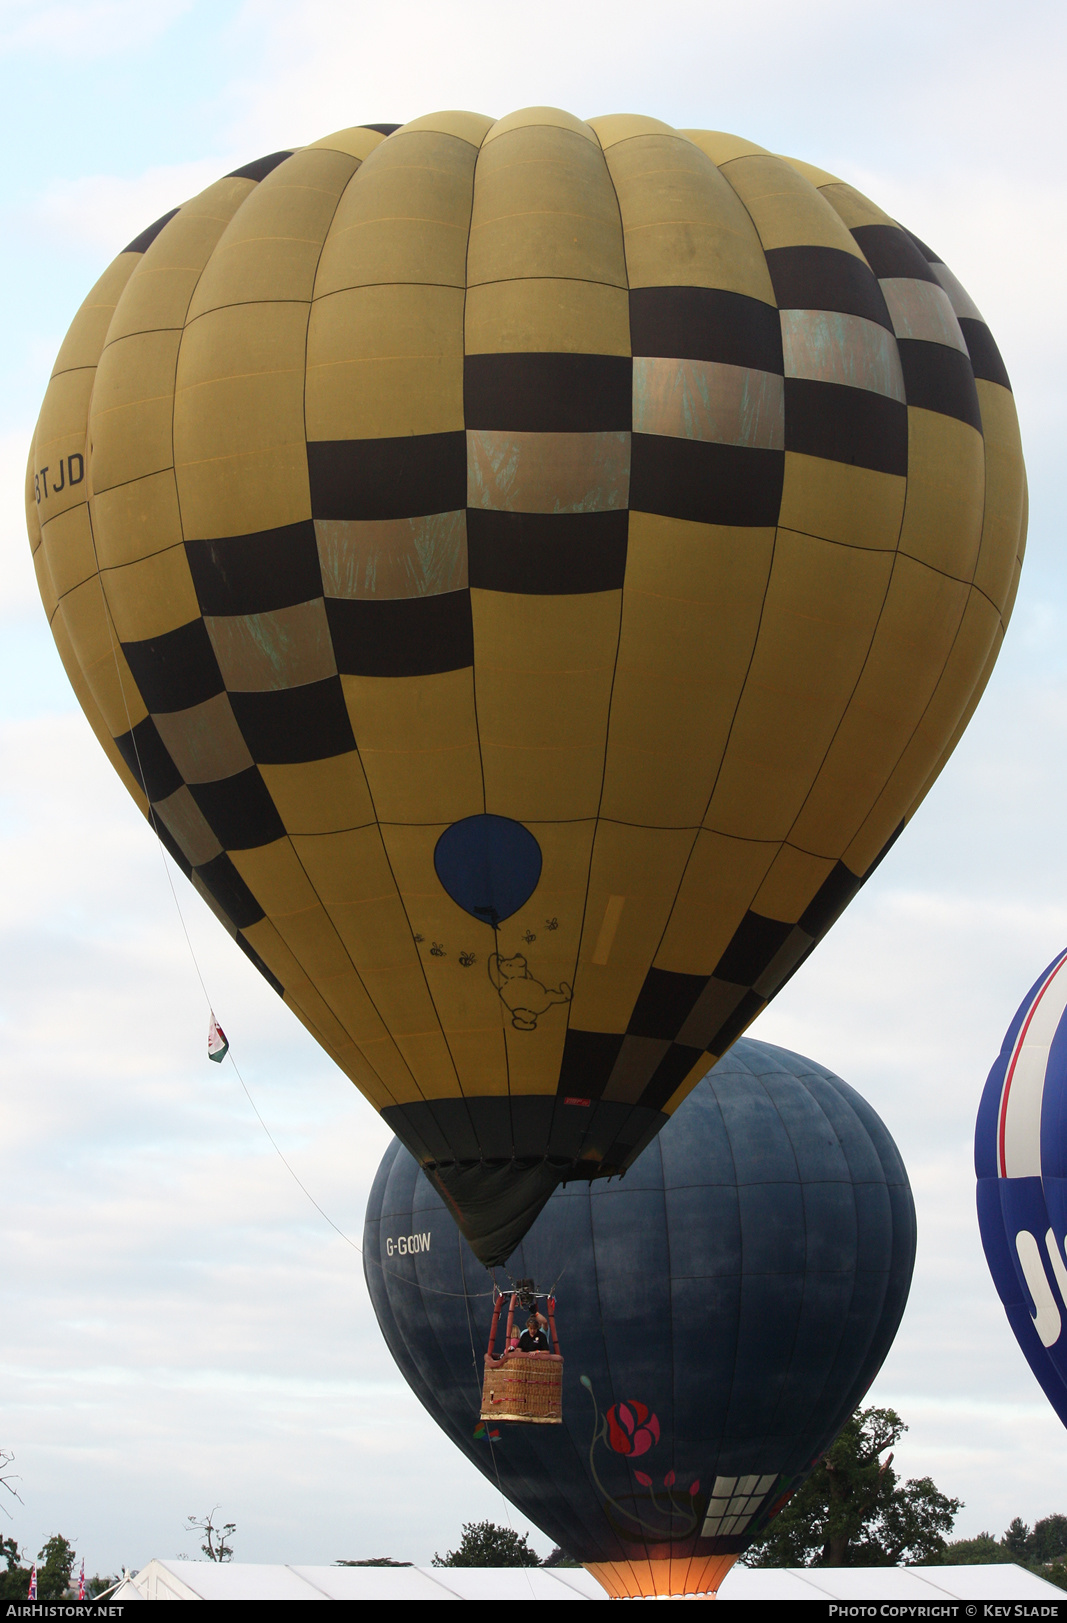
(830, 900)
(259, 168)
(986, 360)
(253, 957)
(939, 379)
(177, 670)
(401, 636)
(546, 553)
(146, 756)
(381, 129)
(588, 1058)
(252, 574)
(171, 846)
(239, 810)
(406, 477)
(890, 252)
(230, 891)
(149, 234)
(826, 279)
(663, 1003)
(752, 946)
(705, 324)
(842, 424)
(307, 723)
(927, 253)
(735, 1023)
(418, 1129)
(671, 1072)
(708, 483)
(548, 394)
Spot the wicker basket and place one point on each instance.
(524, 1386)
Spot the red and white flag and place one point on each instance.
(217, 1045)
(81, 1581)
(33, 1584)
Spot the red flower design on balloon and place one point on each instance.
(632, 1428)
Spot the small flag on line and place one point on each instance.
(217, 1045)
(32, 1594)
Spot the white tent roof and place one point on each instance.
(209, 1580)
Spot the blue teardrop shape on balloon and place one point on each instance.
(489, 865)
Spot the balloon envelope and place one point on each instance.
(634, 490)
(1020, 1158)
(722, 1309)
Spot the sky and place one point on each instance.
(180, 1328)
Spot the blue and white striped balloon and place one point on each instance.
(1020, 1156)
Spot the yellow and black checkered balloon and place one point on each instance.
(528, 571)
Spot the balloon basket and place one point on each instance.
(526, 1387)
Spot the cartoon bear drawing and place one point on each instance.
(523, 996)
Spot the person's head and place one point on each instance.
(531, 1322)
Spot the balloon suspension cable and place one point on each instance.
(199, 974)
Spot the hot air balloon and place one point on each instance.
(1020, 1157)
(723, 1309)
(528, 572)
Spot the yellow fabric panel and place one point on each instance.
(792, 880)
(84, 695)
(539, 118)
(977, 637)
(100, 659)
(961, 725)
(385, 361)
(68, 547)
(550, 314)
(132, 407)
(401, 996)
(810, 171)
(351, 1003)
(45, 584)
(320, 797)
(786, 209)
(152, 596)
(60, 436)
(682, 221)
(87, 332)
(691, 609)
(543, 705)
(404, 217)
(645, 866)
(335, 994)
(418, 741)
(275, 876)
(544, 205)
(389, 1064)
(134, 520)
(1009, 603)
(303, 996)
(822, 606)
(852, 207)
(316, 944)
(480, 1055)
(158, 292)
(721, 878)
(270, 249)
(430, 1062)
(1005, 492)
(239, 446)
(471, 127)
(723, 148)
(534, 1057)
(356, 142)
(615, 127)
(946, 492)
(858, 506)
(351, 869)
(33, 526)
(915, 632)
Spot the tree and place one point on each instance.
(215, 1546)
(374, 1561)
(484, 1544)
(15, 1579)
(851, 1511)
(7, 1478)
(559, 1558)
(55, 1563)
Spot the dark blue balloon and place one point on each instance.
(1020, 1157)
(722, 1310)
(489, 865)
